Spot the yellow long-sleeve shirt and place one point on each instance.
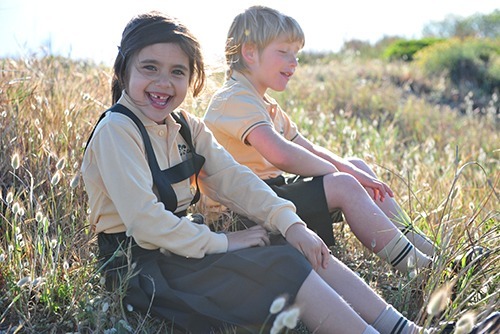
(119, 185)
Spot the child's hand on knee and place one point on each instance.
(309, 244)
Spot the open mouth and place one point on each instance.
(159, 100)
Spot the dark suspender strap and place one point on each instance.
(198, 159)
(184, 131)
(163, 184)
(164, 179)
(153, 163)
(93, 130)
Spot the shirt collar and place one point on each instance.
(242, 80)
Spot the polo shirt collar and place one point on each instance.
(242, 80)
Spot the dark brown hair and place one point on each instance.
(151, 28)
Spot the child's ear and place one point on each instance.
(249, 52)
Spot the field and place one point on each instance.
(435, 145)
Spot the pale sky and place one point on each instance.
(92, 28)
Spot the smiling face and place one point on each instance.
(274, 65)
(159, 79)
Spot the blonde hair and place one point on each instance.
(259, 26)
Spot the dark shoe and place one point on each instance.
(468, 263)
(490, 325)
(473, 257)
(448, 329)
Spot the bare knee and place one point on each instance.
(341, 187)
(341, 181)
(361, 164)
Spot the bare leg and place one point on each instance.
(324, 311)
(353, 289)
(336, 300)
(367, 303)
(370, 224)
(398, 216)
(366, 220)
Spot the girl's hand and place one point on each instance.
(254, 236)
(309, 244)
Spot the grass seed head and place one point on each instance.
(75, 181)
(439, 300)
(23, 281)
(55, 178)
(10, 197)
(465, 323)
(291, 317)
(277, 305)
(61, 163)
(15, 161)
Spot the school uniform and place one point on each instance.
(233, 112)
(183, 271)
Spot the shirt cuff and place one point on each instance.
(218, 245)
(286, 218)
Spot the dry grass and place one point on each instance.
(442, 165)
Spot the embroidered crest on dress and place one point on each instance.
(183, 149)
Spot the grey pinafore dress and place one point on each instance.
(200, 295)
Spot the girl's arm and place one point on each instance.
(120, 193)
(238, 188)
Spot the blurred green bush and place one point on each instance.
(467, 62)
(406, 49)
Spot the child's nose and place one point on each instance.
(164, 81)
(293, 59)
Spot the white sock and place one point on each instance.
(417, 238)
(391, 321)
(420, 241)
(402, 255)
(370, 330)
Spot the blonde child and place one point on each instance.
(261, 54)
